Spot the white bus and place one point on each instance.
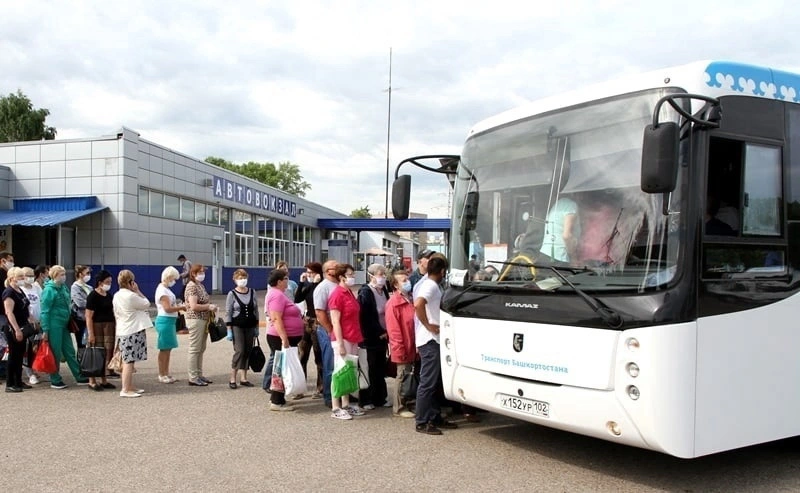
(667, 317)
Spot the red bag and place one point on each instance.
(45, 361)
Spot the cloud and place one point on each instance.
(306, 81)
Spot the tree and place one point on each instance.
(286, 176)
(19, 121)
(362, 213)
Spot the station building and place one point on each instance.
(122, 202)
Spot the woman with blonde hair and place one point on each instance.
(166, 321)
(34, 293)
(133, 320)
(242, 309)
(55, 318)
(198, 311)
(15, 305)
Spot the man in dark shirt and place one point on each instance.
(6, 262)
(422, 266)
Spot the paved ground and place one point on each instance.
(181, 438)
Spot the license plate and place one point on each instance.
(523, 405)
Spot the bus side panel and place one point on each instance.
(664, 410)
(748, 372)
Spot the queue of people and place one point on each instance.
(391, 319)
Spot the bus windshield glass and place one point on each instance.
(561, 191)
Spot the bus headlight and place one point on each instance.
(633, 392)
(632, 343)
(633, 370)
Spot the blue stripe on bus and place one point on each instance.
(756, 81)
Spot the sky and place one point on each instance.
(306, 81)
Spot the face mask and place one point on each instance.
(317, 278)
(87, 278)
(380, 281)
(201, 277)
(105, 287)
(241, 283)
(171, 283)
(61, 279)
(29, 280)
(350, 281)
(406, 287)
(9, 265)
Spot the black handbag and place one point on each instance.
(93, 362)
(409, 384)
(216, 328)
(28, 330)
(257, 360)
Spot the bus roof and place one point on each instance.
(711, 78)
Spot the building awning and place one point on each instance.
(49, 211)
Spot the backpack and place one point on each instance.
(247, 317)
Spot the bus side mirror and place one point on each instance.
(660, 158)
(401, 196)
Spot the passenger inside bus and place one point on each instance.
(562, 231)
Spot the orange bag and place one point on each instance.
(45, 361)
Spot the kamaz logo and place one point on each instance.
(529, 306)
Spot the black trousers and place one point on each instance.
(16, 351)
(308, 345)
(275, 344)
(376, 394)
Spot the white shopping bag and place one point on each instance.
(294, 380)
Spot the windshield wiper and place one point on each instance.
(609, 316)
(454, 305)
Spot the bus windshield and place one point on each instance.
(561, 191)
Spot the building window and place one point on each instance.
(172, 207)
(281, 241)
(187, 210)
(266, 242)
(200, 212)
(156, 204)
(243, 238)
(144, 201)
(302, 245)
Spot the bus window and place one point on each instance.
(762, 191)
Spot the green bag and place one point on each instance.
(345, 380)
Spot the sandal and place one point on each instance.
(232, 385)
(108, 385)
(246, 383)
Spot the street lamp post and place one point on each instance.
(388, 135)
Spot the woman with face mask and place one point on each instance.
(55, 306)
(166, 321)
(79, 291)
(15, 305)
(34, 294)
(198, 310)
(346, 334)
(242, 310)
(400, 329)
(101, 324)
(372, 299)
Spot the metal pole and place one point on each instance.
(388, 135)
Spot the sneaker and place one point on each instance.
(139, 391)
(428, 429)
(58, 386)
(405, 414)
(166, 379)
(33, 380)
(82, 382)
(341, 414)
(196, 382)
(316, 395)
(368, 407)
(129, 394)
(204, 379)
(354, 411)
(298, 397)
(280, 407)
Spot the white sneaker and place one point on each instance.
(354, 410)
(280, 407)
(33, 380)
(166, 379)
(341, 414)
(368, 407)
(129, 394)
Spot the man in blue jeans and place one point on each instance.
(427, 298)
(324, 329)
